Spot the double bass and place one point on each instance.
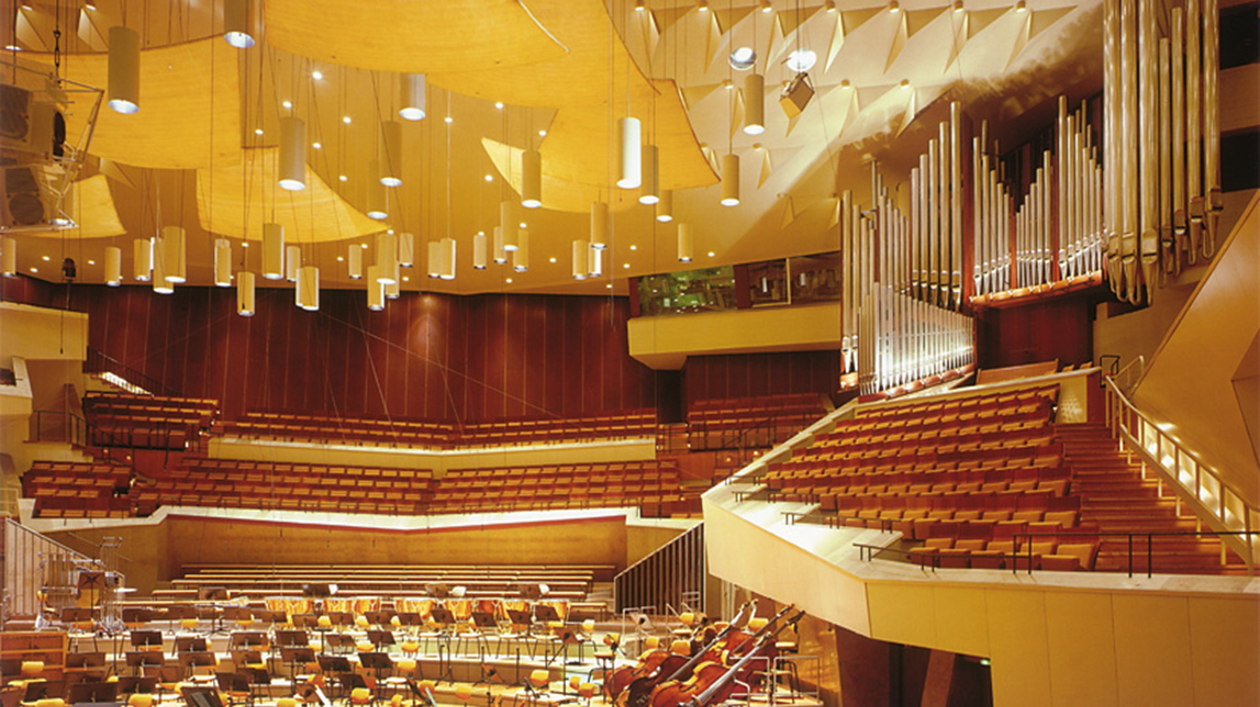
(714, 681)
(662, 661)
(676, 667)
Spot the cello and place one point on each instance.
(663, 661)
(676, 667)
(714, 681)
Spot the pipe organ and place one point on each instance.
(1162, 140)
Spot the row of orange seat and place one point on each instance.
(1006, 554)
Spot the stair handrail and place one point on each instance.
(1129, 380)
(98, 361)
(1196, 483)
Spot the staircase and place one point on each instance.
(1116, 499)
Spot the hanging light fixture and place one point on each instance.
(412, 98)
(176, 265)
(392, 291)
(377, 200)
(292, 262)
(273, 251)
(629, 153)
(354, 262)
(754, 104)
(730, 179)
(685, 245)
(520, 257)
(375, 289)
(596, 266)
(581, 259)
(479, 251)
(142, 259)
(406, 250)
(665, 207)
(161, 284)
(508, 222)
(124, 70)
(245, 293)
(236, 24)
(650, 190)
(391, 153)
(8, 257)
(742, 58)
(599, 225)
(387, 258)
(531, 179)
(500, 254)
(448, 259)
(222, 262)
(113, 266)
(435, 259)
(308, 288)
(292, 166)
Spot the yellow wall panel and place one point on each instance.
(1081, 642)
(960, 620)
(1017, 640)
(902, 613)
(1224, 643)
(1153, 650)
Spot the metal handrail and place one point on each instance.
(1150, 536)
(1130, 381)
(100, 362)
(1196, 483)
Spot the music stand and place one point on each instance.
(136, 684)
(292, 639)
(192, 660)
(380, 637)
(442, 616)
(336, 666)
(293, 656)
(93, 692)
(545, 613)
(201, 695)
(136, 660)
(243, 658)
(145, 638)
(378, 663)
(247, 639)
(305, 621)
(378, 618)
(189, 644)
(410, 618)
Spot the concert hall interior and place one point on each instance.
(633, 353)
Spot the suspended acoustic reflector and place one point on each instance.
(176, 252)
(387, 258)
(292, 262)
(650, 190)
(730, 179)
(377, 198)
(222, 262)
(435, 259)
(245, 294)
(599, 225)
(406, 250)
(161, 284)
(124, 70)
(665, 207)
(273, 251)
(375, 289)
(685, 245)
(236, 25)
(520, 257)
(308, 288)
(581, 249)
(629, 153)
(412, 97)
(8, 256)
(479, 251)
(292, 163)
(508, 221)
(448, 259)
(113, 266)
(142, 259)
(354, 261)
(391, 153)
(500, 254)
(754, 104)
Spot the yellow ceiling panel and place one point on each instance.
(410, 36)
(235, 201)
(188, 92)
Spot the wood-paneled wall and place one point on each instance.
(1061, 328)
(747, 375)
(425, 356)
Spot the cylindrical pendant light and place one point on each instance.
(581, 252)
(406, 250)
(387, 258)
(392, 291)
(685, 245)
(595, 266)
(113, 266)
(292, 262)
(435, 259)
(292, 166)
(500, 254)
(354, 261)
(176, 265)
(448, 259)
(520, 257)
(236, 24)
(245, 293)
(308, 288)
(391, 153)
(650, 191)
(629, 153)
(508, 221)
(273, 251)
(754, 104)
(8, 257)
(730, 179)
(375, 289)
(142, 259)
(599, 225)
(479, 251)
(377, 198)
(222, 262)
(531, 179)
(161, 285)
(665, 207)
(411, 97)
(124, 69)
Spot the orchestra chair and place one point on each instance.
(403, 668)
(605, 657)
(360, 696)
(538, 682)
(236, 687)
(687, 619)
(463, 691)
(586, 691)
(140, 699)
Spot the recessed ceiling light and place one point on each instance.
(46, 258)
(317, 75)
(830, 5)
(91, 262)
(711, 254)
(609, 286)
(958, 5)
(523, 225)
(893, 6)
(316, 145)
(406, 278)
(258, 131)
(34, 269)
(489, 178)
(390, 231)
(743, 58)
(245, 244)
(345, 119)
(90, 6)
(363, 246)
(765, 6)
(1021, 6)
(449, 120)
(905, 84)
(726, 84)
(626, 266)
(638, 6)
(498, 104)
(702, 5)
(508, 281)
(542, 133)
(12, 48)
(342, 177)
(633, 247)
(552, 259)
(287, 104)
(340, 259)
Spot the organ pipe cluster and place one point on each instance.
(1080, 180)
(1162, 140)
(936, 218)
(991, 203)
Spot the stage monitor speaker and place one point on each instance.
(797, 95)
(23, 201)
(31, 131)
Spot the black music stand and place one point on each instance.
(377, 618)
(245, 657)
(338, 666)
(442, 616)
(292, 639)
(305, 621)
(293, 656)
(92, 692)
(545, 613)
(201, 695)
(410, 618)
(136, 660)
(379, 664)
(380, 637)
(247, 639)
(190, 644)
(192, 660)
(136, 684)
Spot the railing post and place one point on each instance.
(1150, 555)
(1130, 555)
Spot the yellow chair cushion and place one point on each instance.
(463, 692)
(680, 647)
(324, 622)
(360, 695)
(31, 668)
(405, 665)
(757, 623)
(286, 702)
(540, 678)
(410, 646)
(140, 700)
(361, 621)
(364, 646)
(687, 618)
